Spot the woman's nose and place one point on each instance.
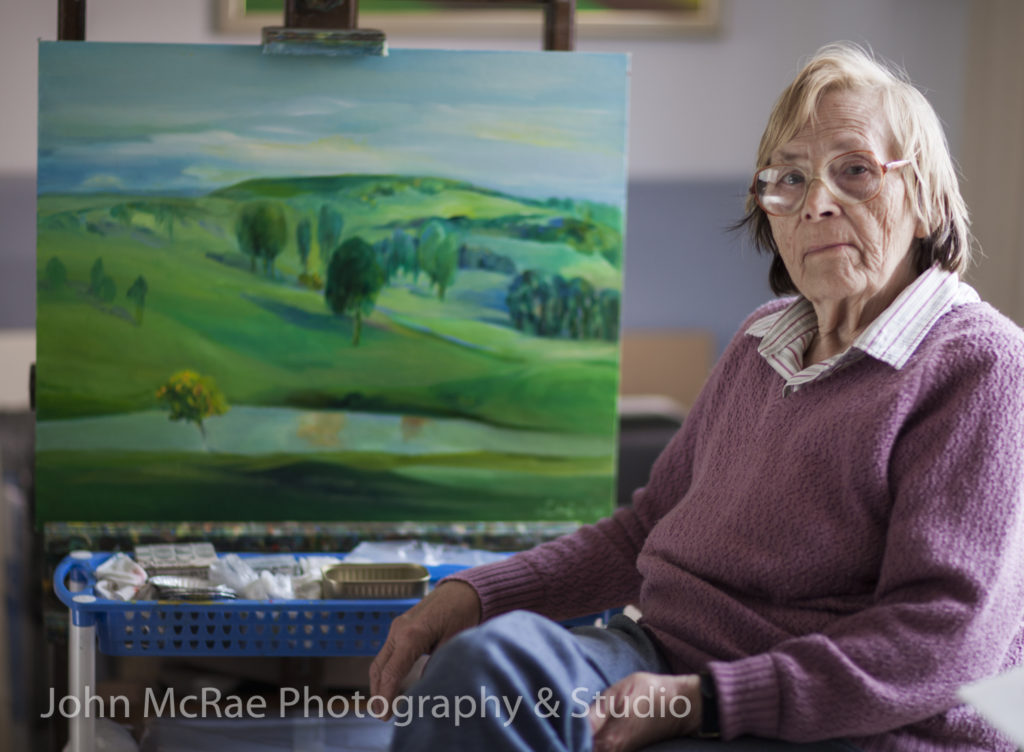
(819, 201)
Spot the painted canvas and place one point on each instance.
(323, 288)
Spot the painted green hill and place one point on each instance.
(271, 339)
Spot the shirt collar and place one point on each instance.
(785, 335)
(895, 334)
(891, 338)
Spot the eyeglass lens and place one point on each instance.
(852, 178)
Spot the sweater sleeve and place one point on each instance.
(949, 602)
(593, 568)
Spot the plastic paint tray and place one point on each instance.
(375, 581)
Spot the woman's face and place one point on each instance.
(837, 252)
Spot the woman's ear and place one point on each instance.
(920, 231)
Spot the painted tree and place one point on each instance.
(137, 294)
(554, 315)
(392, 260)
(353, 281)
(404, 256)
(55, 273)
(303, 239)
(166, 214)
(262, 232)
(438, 256)
(610, 304)
(107, 290)
(383, 250)
(580, 308)
(123, 213)
(328, 231)
(96, 275)
(556, 307)
(431, 236)
(523, 301)
(446, 263)
(192, 398)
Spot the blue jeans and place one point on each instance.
(522, 683)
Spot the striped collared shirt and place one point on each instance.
(892, 337)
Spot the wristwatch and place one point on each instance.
(709, 728)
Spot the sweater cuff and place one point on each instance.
(748, 697)
(503, 586)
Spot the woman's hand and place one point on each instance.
(446, 611)
(644, 708)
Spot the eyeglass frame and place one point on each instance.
(886, 167)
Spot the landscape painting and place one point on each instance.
(328, 288)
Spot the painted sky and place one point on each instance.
(189, 118)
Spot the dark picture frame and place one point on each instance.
(658, 18)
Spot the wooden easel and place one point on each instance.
(336, 22)
(559, 17)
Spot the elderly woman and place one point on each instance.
(833, 543)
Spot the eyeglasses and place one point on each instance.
(853, 178)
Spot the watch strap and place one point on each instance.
(709, 728)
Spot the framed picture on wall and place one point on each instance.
(437, 17)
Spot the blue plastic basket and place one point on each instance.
(237, 627)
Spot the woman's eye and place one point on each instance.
(855, 168)
(792, 178)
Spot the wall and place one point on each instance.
(698, 106)
(993, 159)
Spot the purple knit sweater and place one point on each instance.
(841, 560)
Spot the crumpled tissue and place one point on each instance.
(119, 578)
(234, 571)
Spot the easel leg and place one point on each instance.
(81, 683)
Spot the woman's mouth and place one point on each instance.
(824, 247)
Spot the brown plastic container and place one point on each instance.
(375, 581)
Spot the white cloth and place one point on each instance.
(119, 578)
